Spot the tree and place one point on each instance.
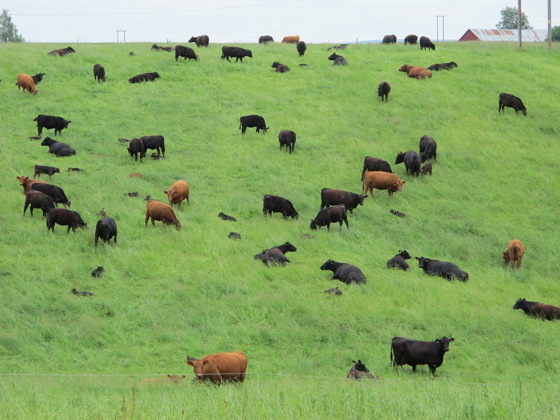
(556, 33)
(509, 19)
(8, 31)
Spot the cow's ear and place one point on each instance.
(451, 339)
(166, 192)
(438, 340)
(404, 182)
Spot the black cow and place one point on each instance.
(38, 77)
(265, 38)
(287, 138)
(144, 77)
(49, 122)
(252, 121)
(443, 66)
(541, 310)
(398, 261)
(153, 142)
(37, 200)
(411, 160)
(79, 170)
(236, 52)
(346, 273)
(359, 371)
(62, 51)
(224, 216)
(280, 68)
(135, 148)
(98, 272)
(428, 148)
(338, 60)
(64, 217)
(200, 41)
(234, 235)
(58, 148)
(185, 52)
(389, 39)
(383, 90)
(511, 101)
(56, 193)
(443, 269)
(332, 197)
(414, 352)
(106, 229)
(99, 73)
(425, 42)
(330, 215)
(338, 47)
(301, 47)
(275, 255)
(410, 39)
(275, 204)
(158, 48)
(48, 170)
(375, 164)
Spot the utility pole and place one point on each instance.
(519, 22)
(124, 34)
(437, 26)
(549, 25)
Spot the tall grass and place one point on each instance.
(166, 295)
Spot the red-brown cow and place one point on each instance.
(161, 211)
(514, 252)
(27, 83)
(220, 367)
(178, 192)
(381, 181)
(291, 39)
(416, 72)
(27, 182)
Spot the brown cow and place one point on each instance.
(541, 310)
(416, 72)
(220, 367)
(27, 83)
(381, 181)
(514, 252)
(27, 182)
(178, 192)
(291, 39)
(426, 169)
(161, 211)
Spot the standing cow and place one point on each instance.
(410, 39)
(389, 39)
(156, 210)
(287, 138)
(106, 229)
(375, 164)
(99, 73)
(414, 352)
(220, 367)
(265, 39)
(49, 122)
(301, 47)
(425, 42)
(383, 91)
(275, 204)
(411, 160)
(252, 121)
(330, 215)
(155, 143)
(27, 83)
(185, 52)
(428, 148)
(64, 217)
(201, 40)
(333, 197)
(514, 253)
(178, 192)
(507, 99)
(381, 181)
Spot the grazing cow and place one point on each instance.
(27, 182)
(220, 367)
(265, 39)
(541, 310)
(82, 293)
(144, 77)
(411, 160)
(428, 148)
(415, 352)
(514, 253)
(338, 60)
(48, 170)
(56, 193)
(201, 40)
(287, 138)
(76, 170)
(375, 164)
(443, 66)
(280, 68)
(416, 72)
(330, 215)
(332, 197)
(156, 143)
(383, 90)
(398, 261)
(344, 272)
(234, 235)
(27, 83)
(511, 101)
(291, 39)
(62, 52)
(236, 52)
(106, 229)
(410, 39)
(64, 217)
(359, 371)
(135, 148)
(381, 181)
(275, 204)
(99, 73)
(334, 291)
(301, 46)
(443, 269)
(224, 216)
(37, 200)
(426, 169)
(98, 272)
(58, 148)
(425, 42)
(389, 39)
(38, 77)
(156, 210)
(397, 213)
(185, 52)
(252, 121)
(49, 122)
(178, 192)
(276, 255)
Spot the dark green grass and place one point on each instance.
(167, 294)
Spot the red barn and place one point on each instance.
(508, 35)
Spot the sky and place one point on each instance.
(316, 21)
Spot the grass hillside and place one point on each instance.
(167, 294)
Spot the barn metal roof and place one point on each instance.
(527, 35)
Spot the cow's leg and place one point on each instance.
(146, 221)
(68, 230)
(328, 227)
(25, 208)
(414, 368)
(345, 221)
(432, 369)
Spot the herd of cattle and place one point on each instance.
(376, 174)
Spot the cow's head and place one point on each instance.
(70, 49)
(193, 39)
(397, 185)
(400, 158)
(404, 254)
(406, 68)
(328, 265)
(334, 56)
(313, 226)
(22, 179)
(198, 366)
(359, 366)
(519, 304)
(249, 53)
(444, 343)
(289, 247)
(66, 122)
(362, 198)
(422, 262)
(176, 378)
(507, 256)
(171, 194)
(47, 141)
(453, 64)
(265, 129)
(275, 64)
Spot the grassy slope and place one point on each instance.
(169, 294)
